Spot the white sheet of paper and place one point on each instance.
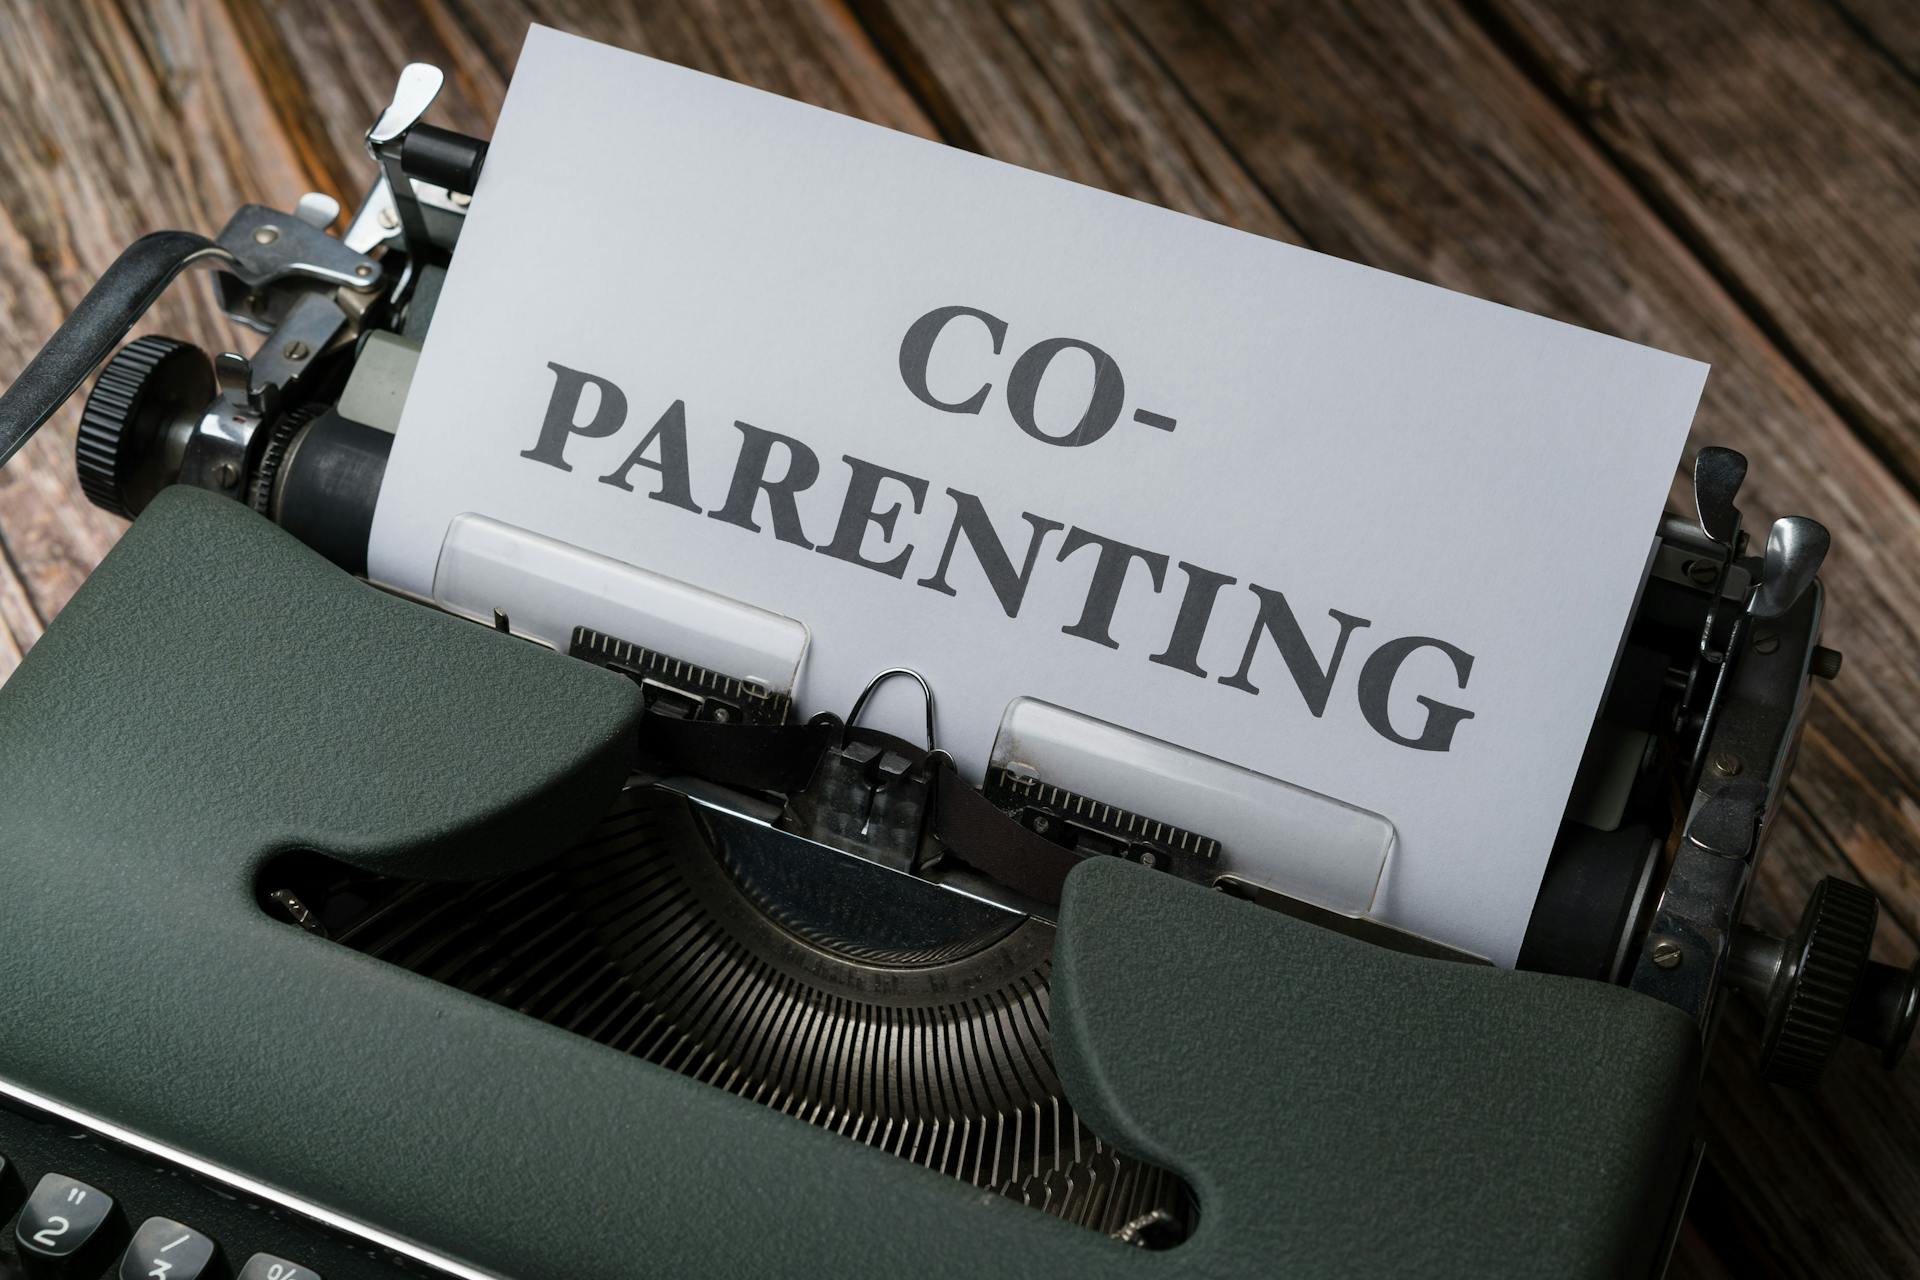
(1439, 466)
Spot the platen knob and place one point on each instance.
(143, 407)
(1819, 970)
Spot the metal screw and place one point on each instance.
(227, 474)
(1666, 954)
(1766, 642)
(364, 270)
(721, 715)
(1702, 571)
(296, 350)
(1147, 859)
(266, 235)
(1040, 824)
(389, 219)
(1726, 764)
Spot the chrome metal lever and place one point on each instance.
(418, 86)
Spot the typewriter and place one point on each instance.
(528, 931)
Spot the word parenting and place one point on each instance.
(778, 474)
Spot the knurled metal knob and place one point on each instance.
(273, 456)
(153, 389)
(1820, 968)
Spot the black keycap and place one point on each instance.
(163, 1249)
(64, 1228)
(264, 1266)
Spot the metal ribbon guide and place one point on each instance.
(721, 663)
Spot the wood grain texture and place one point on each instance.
(1784, 146)
(338, 81)
(1891, 27)
(1035, 85)
(1727, 185)
(117, 123)
(1412, 142)
(1809, 1183)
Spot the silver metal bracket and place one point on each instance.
(1748, 748)
(418, 86)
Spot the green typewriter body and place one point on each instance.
(345, 935)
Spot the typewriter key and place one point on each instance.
(65, 1228)
(168, 1250)
(264, 1266)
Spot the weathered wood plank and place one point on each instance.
(1694, 1255)
(171, 114)
(1336, 131)
(1820, 1182)
(19, 625)
(1409, 141)
(119, 122)
(1891, 27)
(333, 79)
(1864, 801)
(1785, 146)
(1067, 91)
(1416, 146)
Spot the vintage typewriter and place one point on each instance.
(528, 931)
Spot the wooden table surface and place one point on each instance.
(1736, 182)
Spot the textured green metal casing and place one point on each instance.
(217, 694)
